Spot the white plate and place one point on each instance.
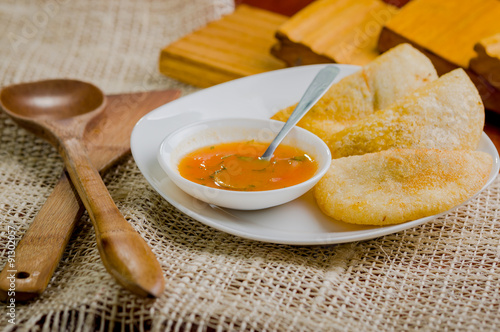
(299, 222)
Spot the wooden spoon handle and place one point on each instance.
(124, 253)
(41, 248)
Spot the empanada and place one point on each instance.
(394, 186)
(374, 87)
(444, 114)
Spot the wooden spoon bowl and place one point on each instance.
(52, 99)
(42, 106)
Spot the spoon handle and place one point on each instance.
(124, 253)
(319, 85)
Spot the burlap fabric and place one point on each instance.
(444, 275)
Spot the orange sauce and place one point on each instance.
(236, 166)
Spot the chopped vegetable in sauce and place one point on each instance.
(237, 166)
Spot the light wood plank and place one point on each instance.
(235, 46)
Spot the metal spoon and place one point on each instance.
(319, 85)
(59, 111)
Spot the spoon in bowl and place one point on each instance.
(59, 111)
(318, 87)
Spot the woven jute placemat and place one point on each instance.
(443, 275)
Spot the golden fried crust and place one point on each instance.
(374, 87)
(394, 186)
(445, 114)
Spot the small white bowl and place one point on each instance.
(211, 132)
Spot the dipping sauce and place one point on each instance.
(236, 166)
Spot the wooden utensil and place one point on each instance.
(60, 110)
(107, 139)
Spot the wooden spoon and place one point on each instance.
(59, 111)
(107, 140)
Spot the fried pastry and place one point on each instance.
(374, 87)
(444, 114)
(394, 186)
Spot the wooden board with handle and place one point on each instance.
(487, 61)
(446, 31)
(341, 31)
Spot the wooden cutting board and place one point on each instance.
(342, 31)
(446, 31)
(487, 61)
(235, 46)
